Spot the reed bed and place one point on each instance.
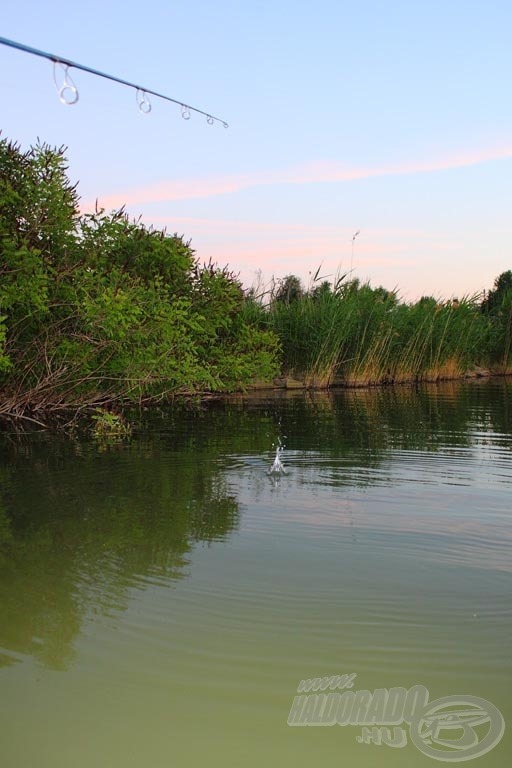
(357, 335)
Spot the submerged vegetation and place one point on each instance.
(109, 427)
(96, 309)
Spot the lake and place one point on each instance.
(162, 599)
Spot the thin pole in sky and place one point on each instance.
(352, 252)
(68, 92)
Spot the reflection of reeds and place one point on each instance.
(356, 335)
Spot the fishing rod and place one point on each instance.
(68, 92)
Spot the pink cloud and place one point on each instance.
(313, 173)
(281, 256)
(196, 223)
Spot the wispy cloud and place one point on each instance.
(226, 226)
(313, 173)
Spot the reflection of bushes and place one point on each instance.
(5, 522)
(359, 424)
(80, 531)
(5, 528)
(78, 526)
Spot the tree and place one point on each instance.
(290, 289)
(497, 305)
(493, 302)
(321, 291)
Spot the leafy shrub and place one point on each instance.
(95, 306)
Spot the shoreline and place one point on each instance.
(306, 383)
(63, 418)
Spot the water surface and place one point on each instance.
(161, 599)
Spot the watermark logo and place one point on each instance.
(447, 728)
(451, 729)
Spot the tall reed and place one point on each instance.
(359, 335)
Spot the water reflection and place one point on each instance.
(80, 527)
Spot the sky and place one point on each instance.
(392, 119)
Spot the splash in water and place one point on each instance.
(277, 467)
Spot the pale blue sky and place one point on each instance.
(393, 118)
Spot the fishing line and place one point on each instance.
(68, 92)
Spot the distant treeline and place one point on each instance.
(97, 309)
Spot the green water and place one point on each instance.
(161, 600)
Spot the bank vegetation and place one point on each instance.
(97, 311)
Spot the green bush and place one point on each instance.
(96, 307)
